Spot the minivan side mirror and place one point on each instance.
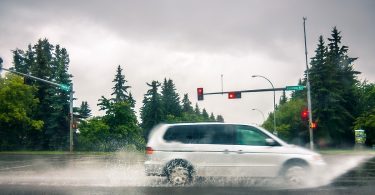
(270, 142)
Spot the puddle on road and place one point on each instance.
(126, 169)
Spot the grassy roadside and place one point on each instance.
(347, 152)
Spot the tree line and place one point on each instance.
(340, 102)
(35, 115)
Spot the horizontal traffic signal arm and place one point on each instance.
(247, 91)
(59, 85)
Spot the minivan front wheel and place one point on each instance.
(295, 175)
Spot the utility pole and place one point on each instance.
(222, 84)
(308, 89)
(71, 143)
(62, 87)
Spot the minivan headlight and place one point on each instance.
(317, 157)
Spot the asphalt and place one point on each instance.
(123, 173)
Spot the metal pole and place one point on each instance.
(264, 118)
(308, 89)
(222, 85)
(71, 118)
(274, 103)
(30, 76)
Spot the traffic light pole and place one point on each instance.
(71, 143)
(308, 90)
(61, 86)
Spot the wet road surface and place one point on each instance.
(123, 173)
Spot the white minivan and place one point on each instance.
(182, 151)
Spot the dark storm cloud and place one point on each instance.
(209, 25)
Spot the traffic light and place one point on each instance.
(234, 95)
(313, 125)
(64, 87)
(200, 94)
(305, 114)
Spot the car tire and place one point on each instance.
(295, 175)
(179, 174)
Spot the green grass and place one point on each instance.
(347, 151)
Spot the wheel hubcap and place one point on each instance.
(179, 176)
(295, 175)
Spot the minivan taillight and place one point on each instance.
(149, 150)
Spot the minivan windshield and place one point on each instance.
(248, 135)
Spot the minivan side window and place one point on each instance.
(200, 134)
(247, 135)
(221, 134)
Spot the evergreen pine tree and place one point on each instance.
(197, 110)
(283, 99)
(59, 120)
(186, 105)
(84, 110)
(332, 81)
(212, 117)
(220, 118)
(152, 110)
(131, 100)
(170, 99)
(120, 116)
(344, 90)
(120, 90)
(205, 115)
(48, 62)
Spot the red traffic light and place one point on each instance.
(313, 125)
(200, 94)
(234, 95)
(305, 114)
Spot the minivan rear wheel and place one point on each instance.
(179, 175)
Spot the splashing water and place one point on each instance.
(126, 169)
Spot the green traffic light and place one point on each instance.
(64, 87)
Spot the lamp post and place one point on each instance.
(264, 119)
(274, 103)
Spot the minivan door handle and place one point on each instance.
(240, 152)
(226, 151)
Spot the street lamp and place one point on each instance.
(264, 119)
(274, 103)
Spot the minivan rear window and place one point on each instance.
(200, 134)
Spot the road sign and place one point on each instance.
(295, 88)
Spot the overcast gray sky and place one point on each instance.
(191, 42)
